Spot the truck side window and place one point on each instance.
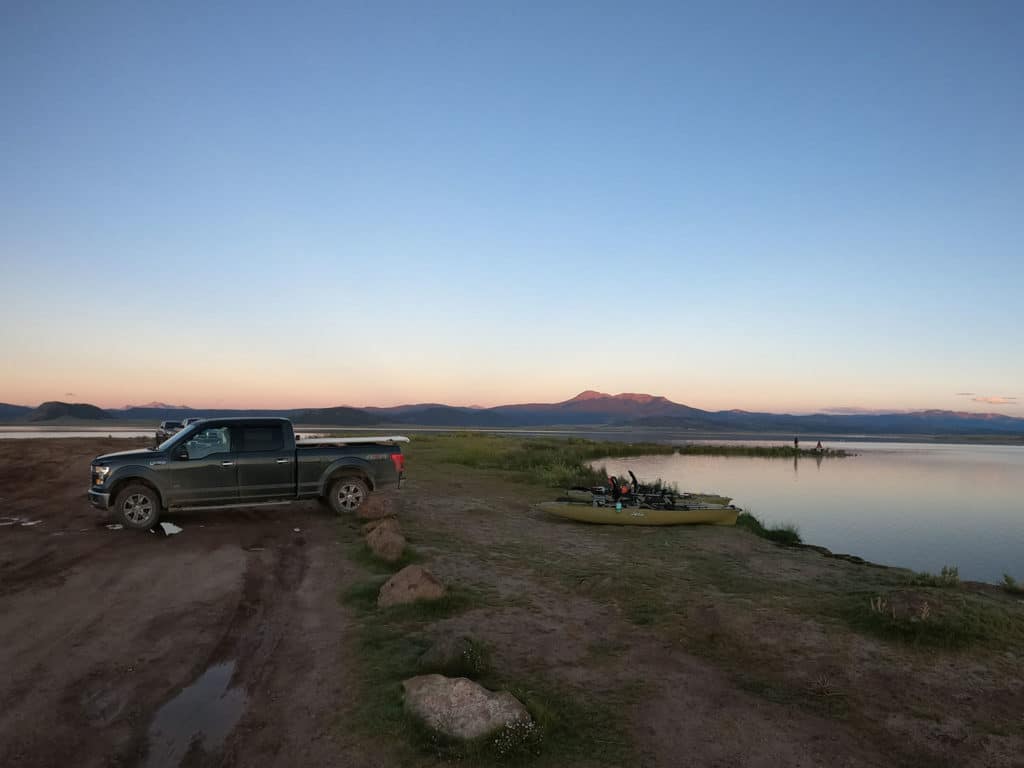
(258, 439)
(208, 442)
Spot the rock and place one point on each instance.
(386, 544)
(384, 522)
(412, 583)
(377, 506)
(460, 708)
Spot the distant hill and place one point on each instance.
(451, 416)
(589, 408)
(54, 409)
(158, 406)
(341, 416)
(596, 408)
(10, 412)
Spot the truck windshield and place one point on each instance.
(176, 437)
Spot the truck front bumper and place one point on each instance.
(99, 500)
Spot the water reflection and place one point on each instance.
(197, 720)
(918, 506)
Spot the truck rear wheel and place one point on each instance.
(137, 506)
(347, 495)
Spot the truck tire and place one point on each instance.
(137, 506)
(347, 495)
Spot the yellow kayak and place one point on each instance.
(681, 499)
(713, 514)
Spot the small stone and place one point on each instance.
(460, 708)
(412, 583)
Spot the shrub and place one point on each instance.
(1010, 585)
(949, 576)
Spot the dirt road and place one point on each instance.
(103, 632)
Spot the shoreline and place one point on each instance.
(614, 434)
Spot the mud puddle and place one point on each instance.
(197, 720)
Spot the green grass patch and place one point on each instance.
(819, 697)
(390, 646)
(468, 657)
(935, 617)
(949, 576)
(644, 611)
(551, 462)
(786, 534)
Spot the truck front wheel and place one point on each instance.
(347, 495)
(137, 506)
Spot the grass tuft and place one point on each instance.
(935, 617)
(786, 534)
(949, 576)
(1010, 585)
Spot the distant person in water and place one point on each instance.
(818, 447)
(796, 443)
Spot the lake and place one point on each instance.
(920, 506)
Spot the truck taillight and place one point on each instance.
(399, 462)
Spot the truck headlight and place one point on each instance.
(99, 475)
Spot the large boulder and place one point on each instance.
(412, 583)
(459, 708)
(386, 544)
(391, 523)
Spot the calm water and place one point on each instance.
(912, 505)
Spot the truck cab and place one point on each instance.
(243, 461)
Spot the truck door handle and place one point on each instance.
(227, 463)
(283, 461)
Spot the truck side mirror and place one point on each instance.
(182, 454)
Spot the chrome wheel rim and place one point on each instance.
(138, 508)
(350, 496)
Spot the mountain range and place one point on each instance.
(588, 408)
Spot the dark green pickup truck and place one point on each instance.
(241, 462)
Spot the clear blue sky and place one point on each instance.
(772, 206)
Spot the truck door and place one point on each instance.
(205, 472)
(266, 463)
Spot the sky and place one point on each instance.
(791, 206)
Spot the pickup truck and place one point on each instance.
(241, 462)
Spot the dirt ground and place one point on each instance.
(100, 629)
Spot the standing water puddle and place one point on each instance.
(202, 715)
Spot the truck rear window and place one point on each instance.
(262, 439)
